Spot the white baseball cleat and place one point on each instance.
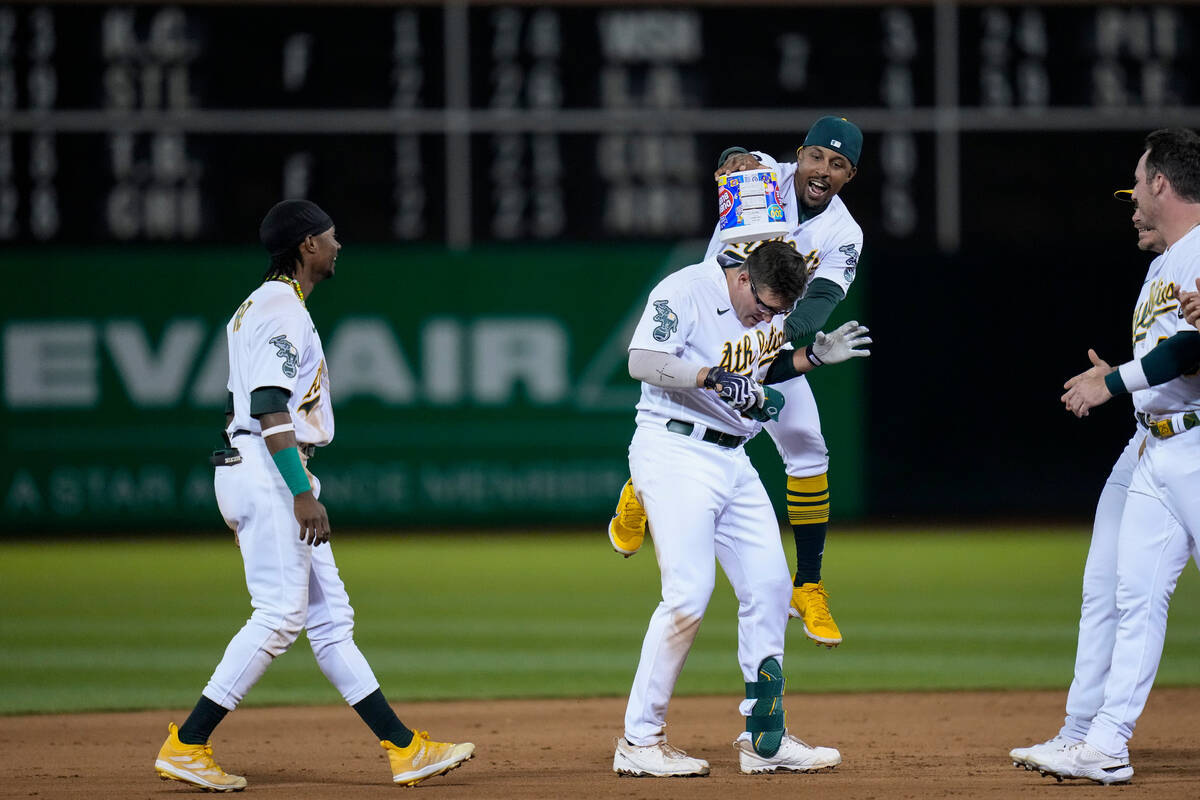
(1081, 760)
(1021, 756)
(793, 756)
(656, 761)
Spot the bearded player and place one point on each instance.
(830, 241)
(1159, 523)
(705, 500)
(1098, 613)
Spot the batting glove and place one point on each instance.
(847, 342)
(738, 391)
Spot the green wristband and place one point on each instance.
(288, 462)
(1114, 383)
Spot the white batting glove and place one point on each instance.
(847, 342)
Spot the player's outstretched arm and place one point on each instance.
(813, 311)
(1087, 389)
(1169, 359)
(280, 435)
(847, 342)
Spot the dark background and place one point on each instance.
(977, 324)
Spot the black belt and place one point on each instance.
(711, 435)
(306, 450)
(1165, 428)
(225, 458)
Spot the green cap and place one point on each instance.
(836, 133)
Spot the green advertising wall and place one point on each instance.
(476, 388)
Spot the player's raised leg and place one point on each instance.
(627, 528)
(808, 513)
(797, 437)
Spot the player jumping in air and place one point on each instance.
(831, 242)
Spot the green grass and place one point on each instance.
(140, 624)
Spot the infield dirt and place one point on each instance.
(925, 745)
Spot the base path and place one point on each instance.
(922, 745)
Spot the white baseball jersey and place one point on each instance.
(1149, 307)
(1157, 317)
(704, 502)
(690, 316)
(1160, 521)
(831, 242)
(273, 342)
(293, 586)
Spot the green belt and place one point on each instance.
(711, 436)
(1165, 428)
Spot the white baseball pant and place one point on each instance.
(704, 502)
(797, 432)
(1098, 613)
(1159, 527)
(293, 585)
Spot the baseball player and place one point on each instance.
(831, 242)
(279, 412)
(1098, 614)
(704, 499)
(1160, 520)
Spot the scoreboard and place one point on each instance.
(469, 122)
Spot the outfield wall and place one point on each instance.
(486, 387)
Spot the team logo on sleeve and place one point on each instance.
(668, 321)
(289, 354)
(850, 251)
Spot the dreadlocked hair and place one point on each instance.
(283, 264)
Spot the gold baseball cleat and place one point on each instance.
(627, 528)
(810, 604)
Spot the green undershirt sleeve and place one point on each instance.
(783, 368)
(1169, 359)
(268, 400)
(812, 311)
